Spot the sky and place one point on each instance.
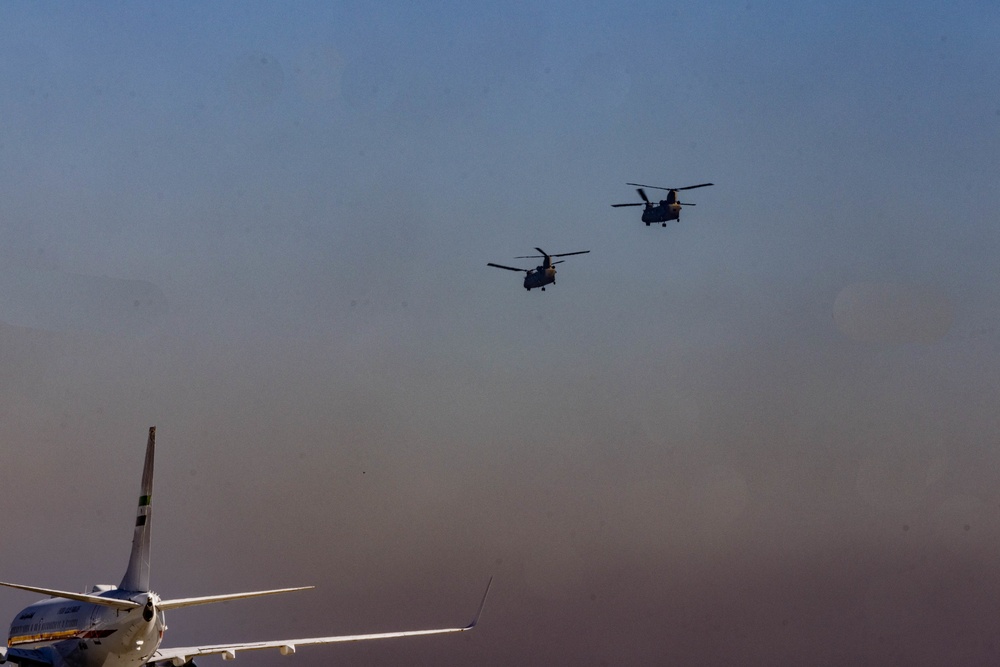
(765, 434)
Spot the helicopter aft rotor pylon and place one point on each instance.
(542, 275)
(667, 209)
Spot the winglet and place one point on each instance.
(137, 575)
(475, 619)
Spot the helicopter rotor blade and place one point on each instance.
(559, 262)
(642, 195)
(544, 254)
(681, 203)
(657, 187)
(509, 268)
(638, 203)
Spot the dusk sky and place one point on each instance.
(767, 434)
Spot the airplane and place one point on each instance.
(668, 209)
(122, 626)
(542, 275)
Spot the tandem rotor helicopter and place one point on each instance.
(668, 209)
(542, 275)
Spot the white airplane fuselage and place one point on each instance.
(90, 635)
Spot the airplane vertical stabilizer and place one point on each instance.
(137, 575)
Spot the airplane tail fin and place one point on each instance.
(137, 575)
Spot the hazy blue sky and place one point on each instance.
(766, 434)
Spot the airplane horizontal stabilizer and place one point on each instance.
(209, 599)
(80, 597)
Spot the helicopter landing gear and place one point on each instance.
(647, 224)
(664, 224)
(543, 289)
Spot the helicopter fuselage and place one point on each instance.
(663, 212)
(540, 277)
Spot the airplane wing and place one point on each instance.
(184, 654)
